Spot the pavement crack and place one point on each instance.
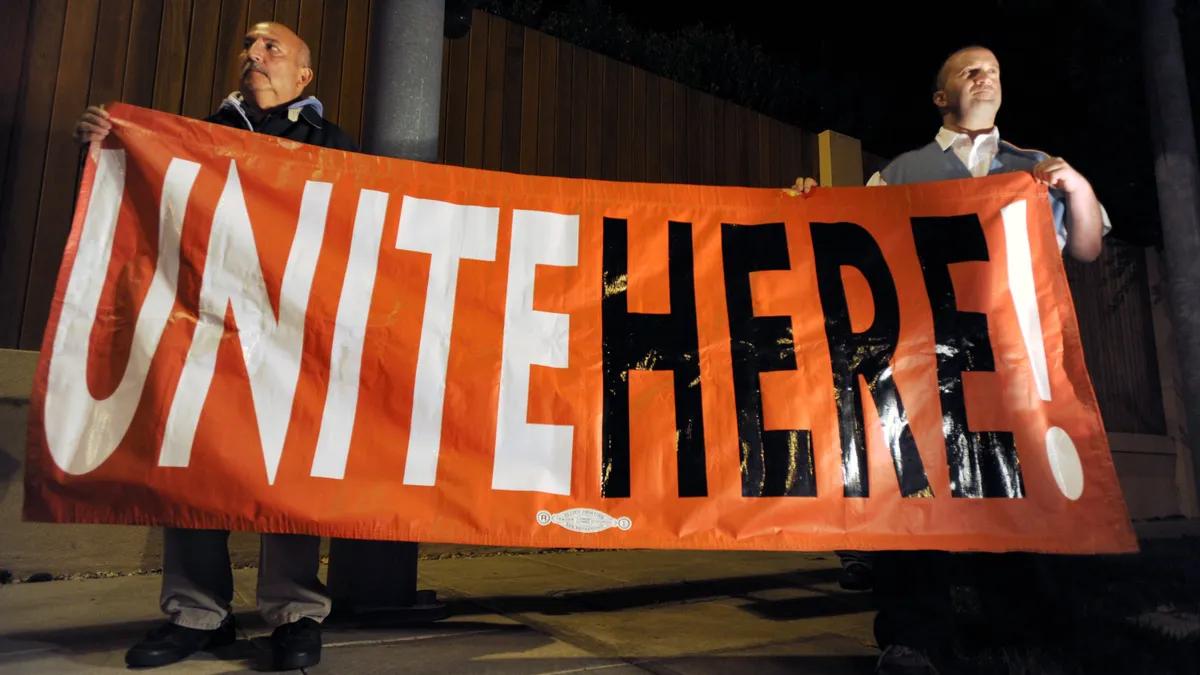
(576, 570)
(409, 638)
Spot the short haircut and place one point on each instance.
(939, 80)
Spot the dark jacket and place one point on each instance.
(300, 121)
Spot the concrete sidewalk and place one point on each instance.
(612, 612)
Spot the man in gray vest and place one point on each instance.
(912, 588)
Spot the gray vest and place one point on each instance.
(931, 163)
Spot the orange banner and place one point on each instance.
(254, 334)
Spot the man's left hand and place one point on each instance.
(1056, 173)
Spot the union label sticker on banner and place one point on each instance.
(252, 334)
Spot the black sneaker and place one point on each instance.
(856, 576)
(296, 645)
(901, 660)
(170, 643)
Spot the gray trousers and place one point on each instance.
(197, 585)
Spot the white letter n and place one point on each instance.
(270, 347)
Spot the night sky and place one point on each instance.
(1071, 72)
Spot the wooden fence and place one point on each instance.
(513, 100)
(1114, 309)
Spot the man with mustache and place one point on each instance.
(197, 586)
(912, 588)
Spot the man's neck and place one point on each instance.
(257, 110)
(971, 127)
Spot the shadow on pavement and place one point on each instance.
(650, 595)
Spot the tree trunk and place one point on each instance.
(1178, 180)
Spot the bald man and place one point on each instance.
(197, 586)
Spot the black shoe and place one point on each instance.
(856, 576)
(296, 645)
(901, 660)
(170, 643)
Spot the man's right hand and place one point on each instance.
(94, 125)
(802, 187)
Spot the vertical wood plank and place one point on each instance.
(456, 102)
(13, 34)
(639, 125)
(530, 80)
(609, 100)
(789, 163)
(444, 107)
(59, 178)
(201, 58)
(792, 168)
(810, 155)
(287, 12)
(653, 128)
(775, 179)
(693, 136)
(683, 154)
(476, 94)
(514, 54)
(172, 56)
(329, 68)
(704, 143)
(667, 130)
(595, 120)
(141, 59)
(720, 176)
(354, 68)
(754, 152)
(562, 110)
(624, 121)
(766, 169)
(783, 156)
(580, 115)
(312, 15)
(23, 174)
(112, 41)
(745, 129)
(259, 11)
(547, 102)
(493, 118)
(231, 28)
(734, 173)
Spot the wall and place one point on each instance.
(513, 100)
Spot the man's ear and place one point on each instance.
(939, 99)
(306, 76)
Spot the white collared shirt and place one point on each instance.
(977, 155)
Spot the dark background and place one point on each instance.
(1071, 69)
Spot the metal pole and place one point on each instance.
(404, 79)
(378, 579)
(1178, 179)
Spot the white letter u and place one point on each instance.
(82, 432)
